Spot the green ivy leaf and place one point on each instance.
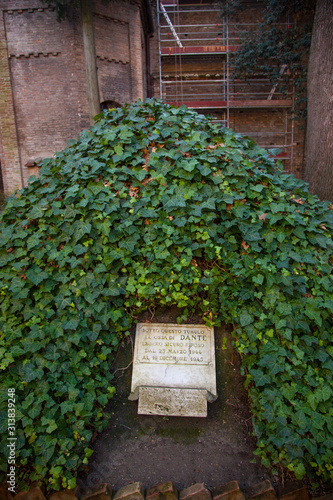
(80, 228)
(259, 377)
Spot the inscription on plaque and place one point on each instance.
(175, 357)
(174, 345)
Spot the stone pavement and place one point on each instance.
(167, 491)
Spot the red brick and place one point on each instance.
(293, 491)
(133, 491)
(261, 491)
(162, 491)
(101, 492)
(64, 495)
(229, 491)
(35, 493)
(195, 492)
(43, 101)
(4, 493)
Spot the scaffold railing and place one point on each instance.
(191, 35)
(214, 88)
(209, 34)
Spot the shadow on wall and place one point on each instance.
(110, 104)
(2, 194)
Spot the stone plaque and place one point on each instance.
(172, 402)
(176, 357)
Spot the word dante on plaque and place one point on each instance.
(173, 369)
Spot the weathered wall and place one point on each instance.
(47, 82)
(43, 98)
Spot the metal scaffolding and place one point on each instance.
(195, 43)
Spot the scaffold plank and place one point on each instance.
(248, 103)
(197, 49)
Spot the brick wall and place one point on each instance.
(43, 97)
(113, 57)
(45, 75)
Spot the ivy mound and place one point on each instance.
(156, 206)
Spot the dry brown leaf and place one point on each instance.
(263, 216)
(147, 180)
(134, 191)
(214, 146)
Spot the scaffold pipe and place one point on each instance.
(179, 43)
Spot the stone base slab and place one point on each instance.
(172, 402)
